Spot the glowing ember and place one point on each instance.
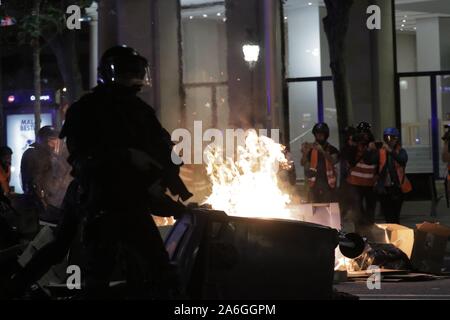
(342, 264)
(163, 221)
(248, 186)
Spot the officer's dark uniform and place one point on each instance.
(101, 129)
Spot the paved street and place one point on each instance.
(418, 211)
(412, 213)
(424, 290)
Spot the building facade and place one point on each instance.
(397, 74)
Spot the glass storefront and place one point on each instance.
(416, 123)
(311, 97)
(203, 32)
(422, 56)
(206, 85)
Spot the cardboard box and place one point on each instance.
(400, 236)
(374, 234)
(327, 214)
(430, 247)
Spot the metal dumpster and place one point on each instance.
(224, 257)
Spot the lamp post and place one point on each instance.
(251, 56)
(92, 17)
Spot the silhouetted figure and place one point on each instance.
(7, 235)
(45, 174)
(5, 169)
(121, 161)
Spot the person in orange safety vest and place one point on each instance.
(362, 158)
(392, 182)
(446, 159)
(5, 169)
(319, 160)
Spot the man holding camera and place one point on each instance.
(319, 159)
(446, 158)
(392, 181)
(362, 158)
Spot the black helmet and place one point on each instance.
(125, 66)
(45, 133)
(349, 131)
(321, 127)
(364, 127)
(5, 151)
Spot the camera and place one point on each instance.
(446, 136)
(363, 138)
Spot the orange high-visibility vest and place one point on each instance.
(331, 173)
(405, 184)
(5, 177)
(362, 174)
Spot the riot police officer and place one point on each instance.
(121, 160)
(119, 151)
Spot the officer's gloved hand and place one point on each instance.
(156, 190)
(162, 204)
(167, 207)
(142, 162)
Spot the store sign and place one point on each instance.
(7, 21)
(26, 98)
(20, 134)
(42, 98)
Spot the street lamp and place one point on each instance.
(92, 17)
(251, 54)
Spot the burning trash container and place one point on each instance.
(227, 257)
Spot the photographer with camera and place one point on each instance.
(319, 159)
(392, 181)
(362, 157)
(446, 159)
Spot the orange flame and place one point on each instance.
(248, 186)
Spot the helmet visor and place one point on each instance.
(130, 72)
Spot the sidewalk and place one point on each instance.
(417, 212)
(414, 212)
